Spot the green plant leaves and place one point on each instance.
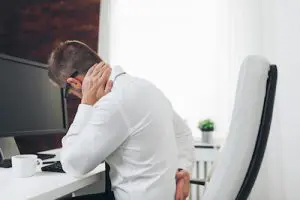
(206, 125)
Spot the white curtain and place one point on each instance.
(177, 45)
(192, 50)
(281, 45)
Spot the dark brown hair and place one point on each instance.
(68, 57)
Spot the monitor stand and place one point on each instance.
(8, 147)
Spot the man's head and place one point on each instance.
(68, 64)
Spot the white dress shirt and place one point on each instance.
(136, 131)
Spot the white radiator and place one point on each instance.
(201, 171)
(205, 156)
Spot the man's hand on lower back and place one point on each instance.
(182, 185)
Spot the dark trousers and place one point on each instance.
(107, 195)
(103, 196)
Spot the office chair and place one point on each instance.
(239, 162)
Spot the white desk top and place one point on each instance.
(44, 185)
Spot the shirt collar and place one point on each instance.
(116, 71)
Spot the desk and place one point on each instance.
(44, 185)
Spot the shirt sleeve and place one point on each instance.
(184, 139)
(95, 133)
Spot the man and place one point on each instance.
(125, 121)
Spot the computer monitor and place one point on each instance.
(29, 104)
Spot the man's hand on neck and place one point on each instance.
(96, 84)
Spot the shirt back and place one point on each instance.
(144, 166)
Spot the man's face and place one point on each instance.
(74, 85)
(75, 92)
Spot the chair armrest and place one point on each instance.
(197, 181)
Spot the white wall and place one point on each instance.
(279, 178)
(191, 50)
(172, 44)
(284, 51)
(270, 28)
(239, 34)
(267, 27)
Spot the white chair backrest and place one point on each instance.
(232, 165)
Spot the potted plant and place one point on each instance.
(207, 127)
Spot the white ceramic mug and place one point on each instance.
(25, 165)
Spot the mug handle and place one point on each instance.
(39, 162)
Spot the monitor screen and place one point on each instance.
(30, 104)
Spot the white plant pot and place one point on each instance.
(207, 136)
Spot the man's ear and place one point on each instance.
(74, 83)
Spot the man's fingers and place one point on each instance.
(102, 70)
(183, 174)
(180, 175)
(90, 71)
(76, 93)
(105, 76)
(98, 68)
(108, 86)
(183, 184)
(179, 190)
